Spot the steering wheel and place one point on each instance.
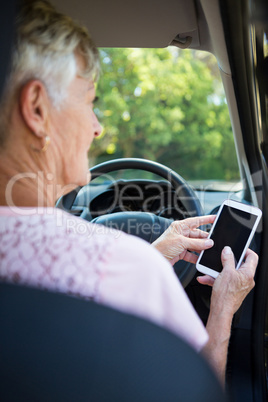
(155, 225)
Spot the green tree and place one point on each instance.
(165, 105)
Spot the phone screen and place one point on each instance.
(233, 229)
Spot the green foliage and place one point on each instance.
(166, 105)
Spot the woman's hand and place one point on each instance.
(232, 285)
(229, 290)
(183, 237)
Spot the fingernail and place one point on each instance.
(209, 243)
(227, 250)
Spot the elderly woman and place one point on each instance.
(47, 127)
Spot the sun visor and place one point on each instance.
(138, 23)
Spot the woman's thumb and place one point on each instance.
(227, 257)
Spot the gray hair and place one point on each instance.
(46, 48)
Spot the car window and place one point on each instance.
(167, 105)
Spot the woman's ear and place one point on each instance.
(34, 107)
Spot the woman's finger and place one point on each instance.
(227, 258)
(192, 223)
(199, 221)
(198, 234)
(190, 257)
(251, 261)
(196, 244)
(206, 280)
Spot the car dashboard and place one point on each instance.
(154, 196)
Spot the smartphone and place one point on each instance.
(234, 226)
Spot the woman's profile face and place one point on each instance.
(74, 127)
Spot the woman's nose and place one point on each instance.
(97, 126)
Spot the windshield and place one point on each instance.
(166, 105)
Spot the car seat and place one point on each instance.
(55, 347)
